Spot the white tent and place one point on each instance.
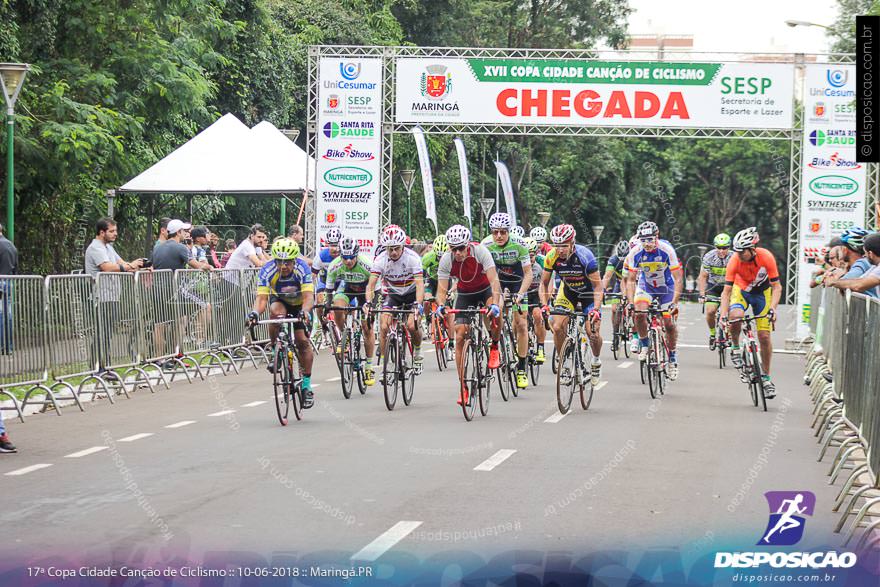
(229, 158)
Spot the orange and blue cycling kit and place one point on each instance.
(750, 283)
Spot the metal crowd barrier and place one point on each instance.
(843, 371)
(71, 324)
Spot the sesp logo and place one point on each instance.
(836, 77)
(787, 511)
(349, 70)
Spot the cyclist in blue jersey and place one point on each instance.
(612, 282)
(285, 285)
(656, 275)
(320, 264)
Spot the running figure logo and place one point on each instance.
(787, 511)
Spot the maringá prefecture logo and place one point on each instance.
(435, 83)
(787, 510)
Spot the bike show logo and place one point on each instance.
(350, 130)
(835, 161)
(347, 153)
(785, 527)
(348, 177)
(330, 216)
(819, 138)
(834, 186)
(435, 85)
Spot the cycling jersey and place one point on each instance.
(654, 268)
(537, 273)
(289, 289)
(430, 262)
(398, 277)
(470, 273)
(320, 264)
(753, 276)
(615, 265)
(511, 261)
(574, 271)
(716, 267)
(348, 281)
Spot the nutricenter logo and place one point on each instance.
(348, 177)
(834, 186)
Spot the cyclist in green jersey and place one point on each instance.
(712, 278)
(535, 296)
(430, 265)
(613, 281)
(515, 275)
(347, 278)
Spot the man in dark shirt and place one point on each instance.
(8, 255)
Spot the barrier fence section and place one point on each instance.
(63, 336)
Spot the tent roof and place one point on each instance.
(228, 158)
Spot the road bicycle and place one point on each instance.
(439, 335)
(398, 373)
(474, 373)
(534, 365)
(286, 371)
(573, 370)
(621, 336)
(653, 370)
(722, 340)
(351, 359)
(751, 372)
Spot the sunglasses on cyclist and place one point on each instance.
(722, 248)
(649, 239)
(348, 257)
(285, 261)
(458, 248)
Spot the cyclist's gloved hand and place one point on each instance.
(702, 299)
(595, 315)
(420, 309)
(771, 315)
(252, 317)
(724, 320)
(517, 299)
(494, 310)
(439, 311)
(545, 309)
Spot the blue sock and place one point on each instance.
(672, 356)
(644, 342)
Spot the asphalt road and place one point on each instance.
(170, 472)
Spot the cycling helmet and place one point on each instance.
(518, 232)
(349, 248)
(745, 239)
(458, 235)
(721, 240)
(500, 220)
(562, 234)
(539, 233)
(393, 237)
(440, 244)
(531, 244)
(633, 241)
(647, 229)
(854, 238)
(285, 249)
(622, 249)
(389, 227)
(333, 236)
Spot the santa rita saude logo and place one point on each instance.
(347, 129)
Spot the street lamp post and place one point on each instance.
(543, 217)
(794, 23)
(409, 178)
(486, 205)
(597, 232)
(111, 194)
(11, 79)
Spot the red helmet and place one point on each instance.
(562, 234)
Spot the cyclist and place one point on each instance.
(535, 297)
(347, 278)
(752, 280)
(400, 269)
(320, 264)
(539, 233)
(613, 280)
(711, 280)
(578, 270)
(517, 232)
(514, 273)
(285, 285)
(430, 264)
(471, 264)
(655, 274)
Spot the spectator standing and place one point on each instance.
(8, 255)
(296, 234)
(173, 254)
(230, 248)
(249, 252)
(8, 266)
(163, 232)
(869, 282)
(6, 445)
(213, 241)
(200, 247)
(101, 256)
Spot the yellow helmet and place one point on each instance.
(285, 249)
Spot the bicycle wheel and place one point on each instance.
(615, 341)
(534, 366)
(437, 338)
(585, 383)
(470, 378)
(512, 363)
(347, 366)
(566, 377)
(483, 383)
(662, 378)
(389, 373)
(504, 383)
(281, 383)
(652, 367)
(722, 358)
(626, 337)
(359, 362)
(407, 370)
(758, 377)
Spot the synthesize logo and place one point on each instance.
(787, 510)
(836, 77)
(435, 83)
(350, 71)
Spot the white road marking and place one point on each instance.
(600, 385)
(86, 452)
(428, 350)
(314, 385)
(386, 540)
(181, 424)
(30, 469)
(495, 460)
(134, 437)
(625, 365)
(220, 413)
(259, 402)
(334, 379)
(555, 418)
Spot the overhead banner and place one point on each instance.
(349, 149)
(577, 92)
(832, 182)
(427, 177)
(507, 188)
(465, 180)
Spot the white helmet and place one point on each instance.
(458, 235)
(622, 249)
(333, 236)
(500, 220)
(393, 237)
(745, 239)
(647, 229)
(518, 232)
(562, 233)
(531, 244)
(539, 233)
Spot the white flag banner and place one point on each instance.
(427, 180)
(507, 188)
(465, 181)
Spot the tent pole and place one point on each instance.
(283, 215)
(148, 236)
(302, 207)
(189, 208)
